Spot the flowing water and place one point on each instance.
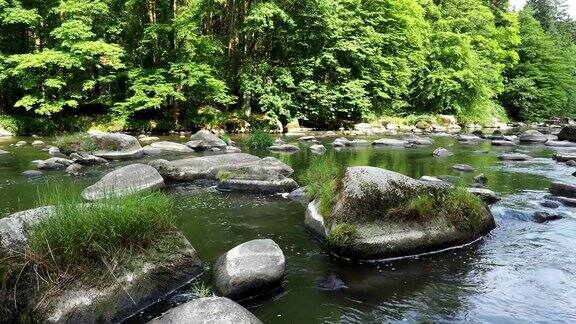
(522, 272)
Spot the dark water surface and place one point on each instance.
(522, 272)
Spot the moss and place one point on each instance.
(223, 175)
(464, 210)
(343, 234)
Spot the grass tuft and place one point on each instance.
(322, 180)
(464, 210)
(80, 233)
(75, 142)
(201, 290)
(343, 234)
(259, 138)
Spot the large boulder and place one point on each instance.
(116, 146)
(157, 272)
(208, 167)
(205, 140)
(389, 142)
(533, 136)
(125, 180)
(208, 310)
(261, 178)
(568, 133)
(377, 213)
(563, 189)
(249, 269)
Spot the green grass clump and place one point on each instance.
(343, 234)
(80, 233)
(75, 142)
(464, 210)
(226, 138)
(322, 180)
(259, 138)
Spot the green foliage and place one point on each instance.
(322, 179)
(343, 234)
(259, 138)
(464, 210)
(80, 233)
(75, 142)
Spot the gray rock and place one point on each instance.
(14, 229)
(514, 157)
(442, 152)
(389, 142)
(503, 143)
(307, 138)
(480, 179)
(487, 195)
(38, 143)
(32, 173)
(83, 158)
(298, 195)
(568, 133)
(469, 139)
(208, 167)
(550, 204)
(232, 149)
(171, 147)
(564, 157)
(55, 152)
(357, 143)
(249, 269)
(49, 166)
(429, 178)
(20, 143)
(284, 148)
(418, 141)
(463, 167)
(116, 146)
(365, 198)
(205, 140)
(74, 169)
(3, 152)
(571, 163)
(543, 217)
(318, 149)
(569, 202)
(533, 136)
(125, 180)
(560, 144)
(4, 133)
(255, 179)
(340, 142)
(151, 151)
(209, 310)
(563, 189)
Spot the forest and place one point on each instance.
(186, 64)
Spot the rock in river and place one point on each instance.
(284, 148)
(442, 152)
(563, 189)
(116, 146)
(208, 310)
(252, 268)
(125, 180)
(463, 167)
(568, 133)
(514, 157)
(503, 143)
(564, 156)
(256, 179)
(83, 158)
(389, 142)
(543, 217)
(208, 167)
(205, 140)
(156, 273)
(318, 149)
(171, 147)
(372, 216)
(487, 195)
(533, 136)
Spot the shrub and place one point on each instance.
(259, 138)
(80, 233)
(322, 179)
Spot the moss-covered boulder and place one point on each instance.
(374, 213)
(111, 146)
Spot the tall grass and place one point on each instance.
(322, 179)
(78, 233)
(75, 142)
(259, 138)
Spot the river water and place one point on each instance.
(522, 272)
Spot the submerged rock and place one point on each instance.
(32, 173)
(533, 136)
(208, 310)
(284, 148)
(252, 268)
(125, 180)
(372, 216)
(542, 217)
(564, 157)
(389, 142)
(442, 152)
(563, 189)
(503, 143)
(463, 167)
(205, 140)
(156, 273)
(569, 202)
(550, 204)
(514, 157)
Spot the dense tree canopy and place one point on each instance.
(327, 62)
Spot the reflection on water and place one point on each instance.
(522, 272)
